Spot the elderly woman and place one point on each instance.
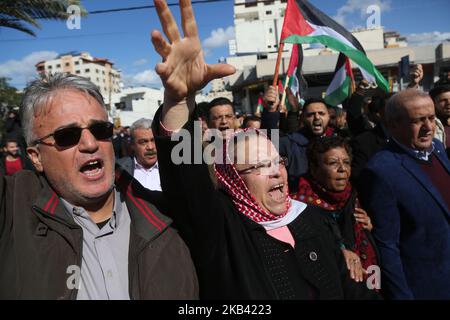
(327, 186)
(248, 239)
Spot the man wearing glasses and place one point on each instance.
(221, 115)
(79, 229)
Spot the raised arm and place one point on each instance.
(183, 70)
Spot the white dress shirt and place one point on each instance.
(149, 178)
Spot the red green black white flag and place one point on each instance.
(304, 23)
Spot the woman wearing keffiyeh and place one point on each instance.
(247, 238)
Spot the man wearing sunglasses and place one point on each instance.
(81, 229)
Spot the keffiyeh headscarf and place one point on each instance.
(230, 181)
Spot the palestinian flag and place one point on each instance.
(297, 83)
(343, 84)
(304, 23)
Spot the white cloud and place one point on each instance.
(354, 6)
(23, 70)
(219, 38)
(427, 38)
(140, 62)
(146, 77)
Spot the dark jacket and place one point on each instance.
(357, 121)
(127, 163)
(293, 146)
(364, 147)
(411, 224)
(39, 241)
(235, 258)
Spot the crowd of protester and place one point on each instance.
(314, 202)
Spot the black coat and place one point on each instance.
(364, 147)
(234, 256)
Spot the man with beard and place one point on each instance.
(12, 161)
(143, 165)
(315, 120)
(79, 229)
(406, 193)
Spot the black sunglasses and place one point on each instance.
(70, 136)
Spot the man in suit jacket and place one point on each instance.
(143, 164)
(407, 193)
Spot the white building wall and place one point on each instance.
(143, 102)
(98, 73)
(370, 39)
(258, 27)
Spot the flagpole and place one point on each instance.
(283, 98)
(277, 66)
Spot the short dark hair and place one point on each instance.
(202, 110)
(314, 100)
(438, 90)
(250, 118)
(9, 140)
(321, 145)
(219, 102)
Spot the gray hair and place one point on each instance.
(142, 123)
(395, 107)
(39, 91)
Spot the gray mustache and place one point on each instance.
(151, 153)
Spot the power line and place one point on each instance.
(137, 8)
(68, 37)
(107, 11)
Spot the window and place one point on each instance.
(268, 2)
(67, 64)
(98, 80)
(58, 65)
(96, 71)
(269, 46)
(270, 30)
(49, 67)
(77, 63)
(269, 12)
(77, 72)
(103, 71)
(86, 70)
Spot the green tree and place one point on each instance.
(9, 96)
(20, 14)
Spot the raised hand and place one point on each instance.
(271, 99)
(416, 75)
(183, 70)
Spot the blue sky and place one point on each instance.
(124, 37)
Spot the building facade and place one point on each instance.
(99, 70)
(254, 51)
